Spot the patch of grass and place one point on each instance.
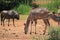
(40, 37)
(54, 34)
(23, 17)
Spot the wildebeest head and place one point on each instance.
(16, 15)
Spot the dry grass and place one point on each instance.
(17, 33)
(42, 2)
(23, 17)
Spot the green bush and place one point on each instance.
(52, 6)
(23, 9)
(54, 33)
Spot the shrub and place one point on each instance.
(54, 34)
(23, 9)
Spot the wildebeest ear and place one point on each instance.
(24, 24)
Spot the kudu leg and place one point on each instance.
(58, 23)
(35, 25)
(31, 27)
(48, 24)
(45, 28)
(45, 22)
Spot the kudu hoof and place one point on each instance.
(40, 34)
(48, 34)
(43, 33)
(30, 32)
(3, 25)
(14, 25)
(8, 25)
(35, 33)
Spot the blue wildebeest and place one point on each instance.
(37, 13)
(9, 14)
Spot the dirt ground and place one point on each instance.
(17, 32)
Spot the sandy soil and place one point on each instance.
(17, 32)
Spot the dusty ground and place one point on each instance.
(17, 32)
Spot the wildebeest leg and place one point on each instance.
(3, 21)
(13, 22)
(31, 27)
(35, 25)
(8, 21)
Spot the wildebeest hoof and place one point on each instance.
(25, 33)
